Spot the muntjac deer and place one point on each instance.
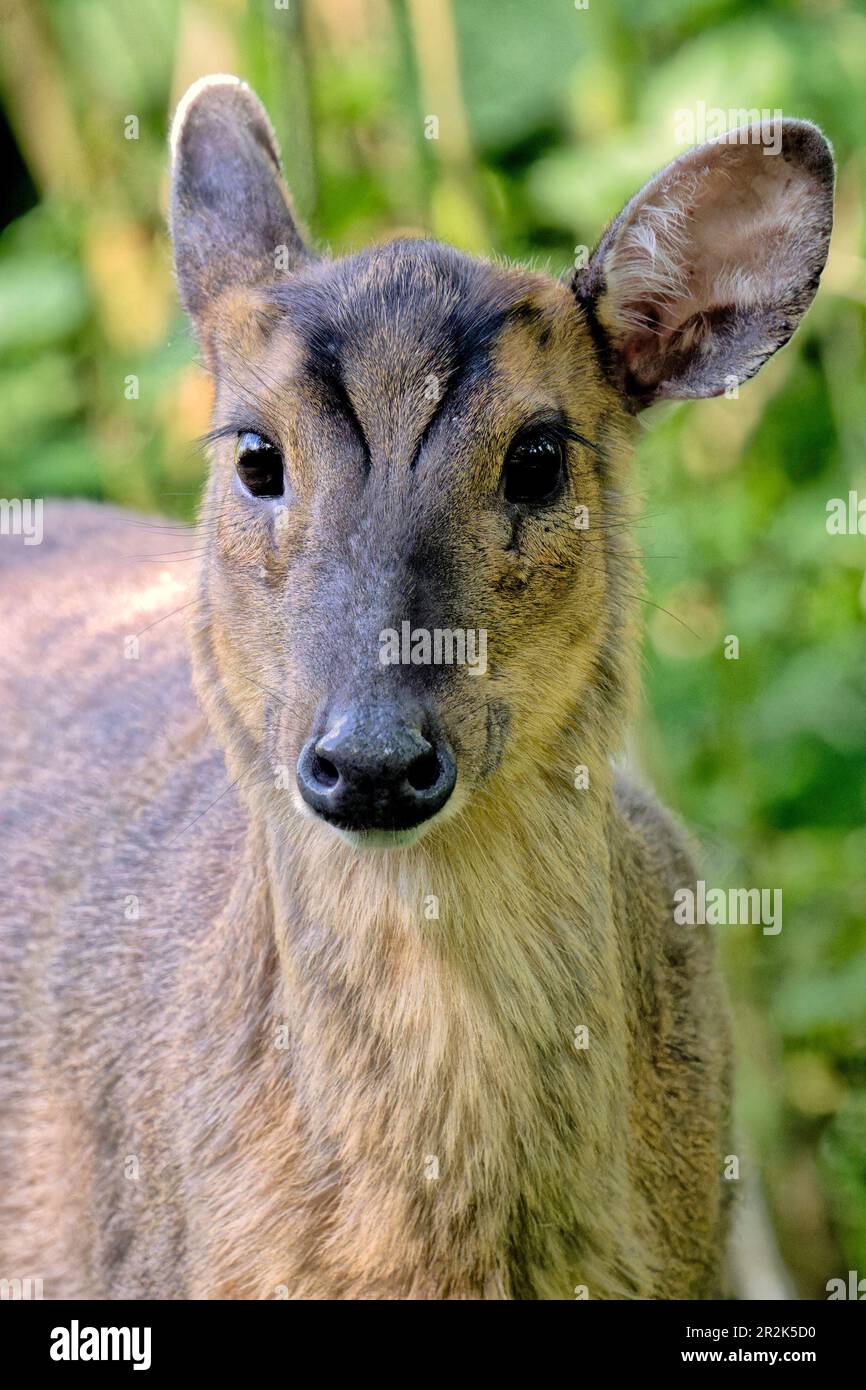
(357, 976)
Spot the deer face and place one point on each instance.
(414, 566)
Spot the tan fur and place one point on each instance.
(286, 1076)
(450, 1038)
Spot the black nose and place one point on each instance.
(375, 769)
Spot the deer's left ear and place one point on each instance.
(709, 269)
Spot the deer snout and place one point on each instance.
(376, 768)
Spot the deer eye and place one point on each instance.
(260, 465)
(534, 469)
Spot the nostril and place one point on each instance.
(324, 771)
(424, 772)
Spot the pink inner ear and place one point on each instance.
(726, 232)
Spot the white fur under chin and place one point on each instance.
(381, 839)
(366, 840)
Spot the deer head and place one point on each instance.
(416, 452)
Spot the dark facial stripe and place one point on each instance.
(331, 379)
(460, 377)
(474, 329)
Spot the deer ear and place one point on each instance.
(709, 269)
(231, 218)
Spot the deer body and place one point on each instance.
(221, 1038)
(280, 1041)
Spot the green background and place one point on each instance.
(550, 117)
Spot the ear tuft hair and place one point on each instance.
(708, 270)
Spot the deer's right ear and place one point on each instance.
(231, 219)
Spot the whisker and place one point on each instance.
(167, 615)
(231, 786)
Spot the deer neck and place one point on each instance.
(442, 1008)
(446, 1003)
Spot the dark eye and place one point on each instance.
(260, 465)
(534, 469)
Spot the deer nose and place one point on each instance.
(376, 769)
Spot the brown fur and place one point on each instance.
(327, 1092)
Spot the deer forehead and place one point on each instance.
(406, 337)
